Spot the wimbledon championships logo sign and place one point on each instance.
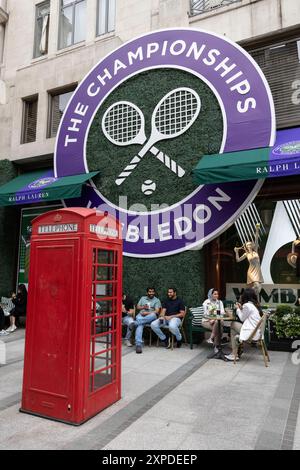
(144, 116)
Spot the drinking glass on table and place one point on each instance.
(229, 312)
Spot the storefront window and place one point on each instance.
(278, 225)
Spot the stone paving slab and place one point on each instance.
(170, 400)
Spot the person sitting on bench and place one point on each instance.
(173, 311)
(148, 307)
(211, 305)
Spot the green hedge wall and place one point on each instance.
(9, 223)
(204, 136)
(185, 270)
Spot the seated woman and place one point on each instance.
(20, 305)
(211, 305)
(249, 312)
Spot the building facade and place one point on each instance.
(48, 47)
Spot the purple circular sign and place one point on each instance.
(248, 114)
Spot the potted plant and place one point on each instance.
(284, 328)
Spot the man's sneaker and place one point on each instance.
(4, 333)
(165, 342)
(230, 357)
(128, 343)
(179, 343)
(138, 349)
(210, 341)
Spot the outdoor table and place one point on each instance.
(219, 354)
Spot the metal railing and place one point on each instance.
(203, 6)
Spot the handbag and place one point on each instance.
(7, 306)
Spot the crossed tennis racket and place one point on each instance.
(123, 124)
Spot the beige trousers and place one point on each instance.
(235, 329)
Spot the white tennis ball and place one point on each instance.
(148, 187)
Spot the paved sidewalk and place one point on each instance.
(170, 400)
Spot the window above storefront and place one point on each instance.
(72, 28)
(281, 66)
(58, 101)
(106, 12)
(203, 6)
(29, 120)
(42, 20)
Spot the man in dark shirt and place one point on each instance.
(127, 316)
(172, 314)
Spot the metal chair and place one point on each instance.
(194, 323)
(261, 326)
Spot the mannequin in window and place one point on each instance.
(254, 274)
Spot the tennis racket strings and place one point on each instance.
(122, 123)
(176, 112)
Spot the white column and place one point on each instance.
(3, 19)
(91, 20)
(2, 35)
(53, 27)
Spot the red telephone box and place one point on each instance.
(73, 329)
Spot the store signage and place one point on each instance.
(59, 228)
(41, 182)
(270, 294)
(25, 198)
(104, 231)
(284, 159)
(247, 109)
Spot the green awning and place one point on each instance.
(40, 186)
(235, 166)
(281, 160)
